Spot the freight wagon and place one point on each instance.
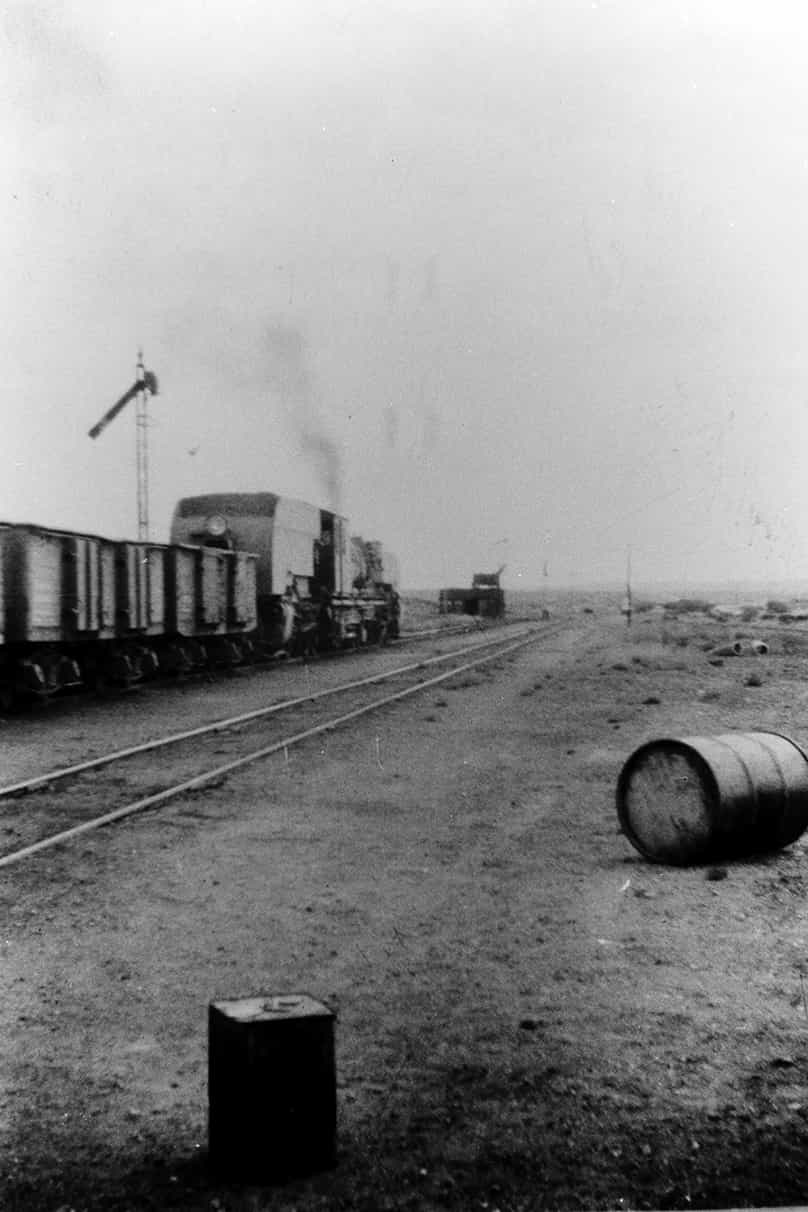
(317, 586)
(244, 573)
(81, 609)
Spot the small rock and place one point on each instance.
(528, 1024)
(717, 661)
(781, 1062)
(708, 696)
(754, 679)
(716, 873)
(652, 701)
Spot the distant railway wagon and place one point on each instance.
(317, 586)
(485, 599)
(473, 602)
(79, 608)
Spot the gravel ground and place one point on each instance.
(71, 729)
(529, 1015)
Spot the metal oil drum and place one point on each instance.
(703, 799)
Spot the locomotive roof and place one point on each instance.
(245, 504)
(255, 504)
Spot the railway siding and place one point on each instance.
(74, 728)
(53, 814)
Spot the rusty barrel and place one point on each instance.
(703, 799)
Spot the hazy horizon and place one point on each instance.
(796, 588)
(513, 283)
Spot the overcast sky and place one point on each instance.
(519, 280)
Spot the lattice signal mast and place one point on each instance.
(145, 385)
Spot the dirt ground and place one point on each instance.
(529, 1014)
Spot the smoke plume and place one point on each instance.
(292, 383)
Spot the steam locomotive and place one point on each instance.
(244, 575)
(316, 587)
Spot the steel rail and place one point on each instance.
(459, 629)
(117, 755)
(210, 776)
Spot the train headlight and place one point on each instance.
(216, 526)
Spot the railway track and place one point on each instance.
(111, 692)
(56, 806)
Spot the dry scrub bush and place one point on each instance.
(689, 606)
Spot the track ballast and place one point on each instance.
(54, 807)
